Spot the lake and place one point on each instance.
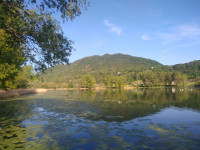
(157, 118)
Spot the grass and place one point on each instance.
(18, 92)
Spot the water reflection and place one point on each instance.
(121, 105)
(104, 119)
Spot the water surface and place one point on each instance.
(106, 119)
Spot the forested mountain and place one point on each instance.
(99, 66)
(133, 70)
(117, 61)
(192, 69)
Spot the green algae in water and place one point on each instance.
(105, 119)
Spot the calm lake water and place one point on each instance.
(105, 119)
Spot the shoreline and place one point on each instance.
(19, 92)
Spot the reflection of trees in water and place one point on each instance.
(123, 105)
(109, 104)
(88, 94)
(75, 118)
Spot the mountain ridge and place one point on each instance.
(101, 65)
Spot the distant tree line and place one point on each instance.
(150, 78)
(192, 69)
(146, 78)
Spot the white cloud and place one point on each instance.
(145, 37)
(113, 28)
(108, 24)
(180, 33)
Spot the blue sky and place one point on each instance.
(167, 31)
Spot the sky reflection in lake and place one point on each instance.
(105, 119)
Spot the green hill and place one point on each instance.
(100, 66)
(192, 69)
(134, 69)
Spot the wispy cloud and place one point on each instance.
(181, 33)
(113, 28)
(165, 50)
(145, 37)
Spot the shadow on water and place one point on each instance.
(105, 119)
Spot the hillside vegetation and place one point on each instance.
(192, 69)
(100, 66)
(110, 70)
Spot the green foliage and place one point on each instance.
(179, 79)
(161, 78)
(11, 57)
(7, 72)
(168, 78)
(197, 83)
(24, 77)
(70, 85)
(100, 66)
(108, 81)
(21, 80)
(137, 71)
(192, 69)
(33, 35)
(88, 81)
(150, 78)
(114, 81)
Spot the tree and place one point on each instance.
(114, 82)
(197, 83)
(11, 57)
(70, 85)
(161, 77)
(33, 35)
(120, 81)
(168, 78)
(179, 78)
(149, 78)
(88, 81)
(107, 81)
(24, 77)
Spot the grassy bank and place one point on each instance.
(18, 92)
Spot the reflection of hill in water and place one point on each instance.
(121, 105)
(108, 105)
(72, 119)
